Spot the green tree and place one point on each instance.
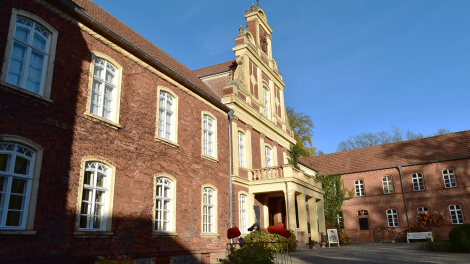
(303, 126)
(335, 195)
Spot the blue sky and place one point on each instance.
(353, 66)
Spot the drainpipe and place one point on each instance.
(404, 197)
(288, 210)
(230, 114)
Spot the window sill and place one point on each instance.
(209, 235)
(25, 93)
(102, 121)
(14, 233)
(166, 142)
(209, 158)
(163, 234)
(92, 234)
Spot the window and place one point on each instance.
(359, 188)
(241, 149)
(30, 53)
(104, 91)
(163, 205)
(267, 153)
(423, 209)
(449, 178)
(208, 136)
(166, 116)
(266, 101)
(387, 184)
(243, 227)
(16, 179)
(456, 214)
(418, 183)
(362, 212)
(208, 211)
(392, 217)
(95, 196)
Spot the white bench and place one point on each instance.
(419, 235)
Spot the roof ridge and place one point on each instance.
(214, 65)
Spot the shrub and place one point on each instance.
(438, 245)
(263, 236)
(117, 259)
(459, 238)
(256, 253)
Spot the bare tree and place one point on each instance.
(395, 134)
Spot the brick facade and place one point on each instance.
(428, 156)
(61, 128)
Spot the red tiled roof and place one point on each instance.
(449, 146)
(109, 21)
(216, 68)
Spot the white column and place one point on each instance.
(302, 210)
(250, 213)
(266, 212)
(321, 216)
(312, 212)
(290, 211)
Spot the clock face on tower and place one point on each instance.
(264, 42)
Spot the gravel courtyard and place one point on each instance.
(378, 253)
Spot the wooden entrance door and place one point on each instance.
(363, 220)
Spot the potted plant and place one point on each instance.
(323, 242)
(313, 243)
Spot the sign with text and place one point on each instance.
(332, 236)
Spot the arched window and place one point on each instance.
(166, 122)
(105, 88)
(208, 210)
(267, 155)
(95, 196)
(266, 101)
(16, 179)
(449, 178)
(418, 183)
(208, 130)
(241, 149)
(456, 214)
(30, 53)
(359, 188)
(164, 204)
(392, 217)
(243, 226)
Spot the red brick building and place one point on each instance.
(393, 182)
(109, 146)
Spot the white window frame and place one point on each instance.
(266, 101)
(267, 156)
(108, 199)
(209, 211)
(418, 181)
(95, 167)
(97, 98)
(161, 134)
(456, 214)
(48, 63)
(392, 218)
(241, 149)
(209, 136)
(422, 209)
(163, 194)
(387, 184)
(243, 216)
(449, 178)
(359, 187)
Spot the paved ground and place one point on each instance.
(402, 253)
